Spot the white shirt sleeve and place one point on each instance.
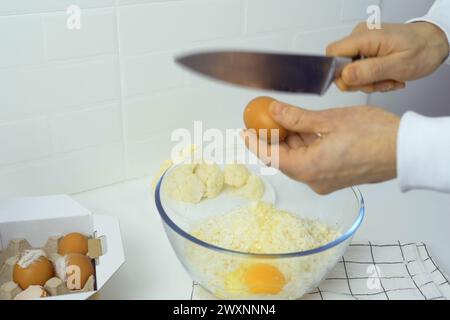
(438, 15)
(423, 153)
(423, 144)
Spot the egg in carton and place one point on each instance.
(64, 254)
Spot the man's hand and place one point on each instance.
(394, 54)
(356, 145)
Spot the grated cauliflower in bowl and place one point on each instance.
(260, 228)
(255, 250)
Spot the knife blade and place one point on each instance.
(309, 74)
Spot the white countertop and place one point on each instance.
(152, 271)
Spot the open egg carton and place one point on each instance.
(54, 286)
(34, 224)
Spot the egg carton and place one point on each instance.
(54, 286)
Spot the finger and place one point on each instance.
(292, 161)
(281, 156)
(341, 84)
(274, 155)
(381, 86)
(389, 85)
(309, 138)
(360, 28)
(299, 120)
(346, 88)
(361, 44)
(346, 47)
(400, 85)
(294, 141)
(368, 71)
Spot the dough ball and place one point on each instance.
(236, 175)
(211, 175)
(184, 185)
(253, 190)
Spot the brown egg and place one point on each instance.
(73, 243)
(78, 270)
(36, 273)
(257, 116)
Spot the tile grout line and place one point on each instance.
(56, 156)
(56, 113)
(60, 10)
(244, 18)
(124, 117)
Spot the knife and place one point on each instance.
(309, 74)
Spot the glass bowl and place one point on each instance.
(214, 267)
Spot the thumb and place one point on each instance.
(296, 119)
(368, 71)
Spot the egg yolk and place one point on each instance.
(264, 278)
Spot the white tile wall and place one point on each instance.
(315, 42)
(23, 140)
(145, 156)
(356, 10)
(169, 25)
(149, 73)
(66, 173)
(22, 40)
(86, 108)
(14, 7)
(36, 90)
(268, 15)
(87, 127)
(96, 36)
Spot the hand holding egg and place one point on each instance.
(257, 117)
(334, 148)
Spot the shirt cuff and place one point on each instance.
(439, 19)
(423, 153)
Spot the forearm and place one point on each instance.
(423, 153)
